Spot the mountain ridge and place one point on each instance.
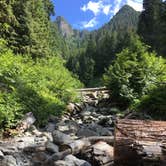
(66, 29)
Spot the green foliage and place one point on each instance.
(152, 25)
(134, 73)
(38, 27)
(154, 103)
(101, 46)
(7, 18)
(43, 87)
(25, 25)
(3, 47)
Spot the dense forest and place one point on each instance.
(43, 61)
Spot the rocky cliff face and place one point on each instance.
(73, 38)
(64, 27)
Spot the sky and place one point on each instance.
(91, 14)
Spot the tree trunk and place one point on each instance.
(77, 146)
(140, 143)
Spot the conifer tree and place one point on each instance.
(151, 23)
(7, 19)
(38, 26)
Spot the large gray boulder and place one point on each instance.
(60, 138)
(51, 147)
(85, 132)
(93, 129)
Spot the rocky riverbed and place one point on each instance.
(82, 137)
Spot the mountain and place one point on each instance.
(125, 20)
(73, 38)
(90, 53)
(67, 31)
(64, 27)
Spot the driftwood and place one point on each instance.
(77, 146)
(26, 122)
(140, 143)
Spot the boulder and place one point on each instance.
(8, 149)
(60, 138)
(8, 161)
(60, 163)
(85, 113)
(50, 127)
(105, 121)
(71, 107)
(51, 147)
(73, 161)
(39, 157)
(101, 131)
(85, 132)
(67, 127)
(1, 155)
(90, 108)
(103, 153)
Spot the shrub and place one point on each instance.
(154, 103)
(134, 73)
(43, 87)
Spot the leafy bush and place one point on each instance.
(43, 87)
(134, 73)
(154, 103)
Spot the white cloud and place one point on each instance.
(136, 4)
(90, 24)
(84, 8)
(99, 7)
(106, 9)
(92, 6)
(117, 6)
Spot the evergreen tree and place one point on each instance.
(162, 36)
(49, 8)
(105, 53)
(7, 19)
(134, 73)
(25, 25)
(151, 24)
(20, 41)
(38, 25)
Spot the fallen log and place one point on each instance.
(92, 89)
(77, 146)
(140, 142)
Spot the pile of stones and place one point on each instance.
(51, 145)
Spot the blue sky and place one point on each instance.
(91, 14)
